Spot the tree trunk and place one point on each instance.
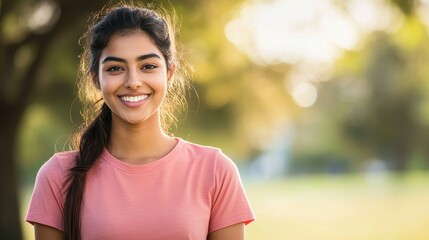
(12, 108)
(10, 223)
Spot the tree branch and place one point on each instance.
(42, 41)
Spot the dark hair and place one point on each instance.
(95, 133)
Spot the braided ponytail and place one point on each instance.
(93, 141)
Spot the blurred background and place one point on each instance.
(323, 105)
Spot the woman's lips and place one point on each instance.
(134, 99)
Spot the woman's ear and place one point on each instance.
(170, 73)
(97, 85)
(96, 82)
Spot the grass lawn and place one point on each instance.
(341, 207)
(352, 207)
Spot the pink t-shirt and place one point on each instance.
(187, 194)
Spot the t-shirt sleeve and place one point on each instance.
(46, 204)
(230, 205)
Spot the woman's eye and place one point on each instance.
(149, 67)
(114, 69)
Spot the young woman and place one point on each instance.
(128, 179)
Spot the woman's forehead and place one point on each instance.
(130, 45)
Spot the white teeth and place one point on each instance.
(134, 98)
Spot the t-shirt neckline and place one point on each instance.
(135, 168)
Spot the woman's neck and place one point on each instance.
(139, 143)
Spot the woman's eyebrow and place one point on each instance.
(113, 59)
(139, 58)
(146, 56)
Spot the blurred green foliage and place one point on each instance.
(374, 106)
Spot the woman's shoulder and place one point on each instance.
(207, 152)
(58, 164)
(199, 149)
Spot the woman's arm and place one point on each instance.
(42, 232)
(233, 232)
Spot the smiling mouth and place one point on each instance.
(134, 99)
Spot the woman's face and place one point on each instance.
(133, 78)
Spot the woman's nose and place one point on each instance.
(133, 80)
